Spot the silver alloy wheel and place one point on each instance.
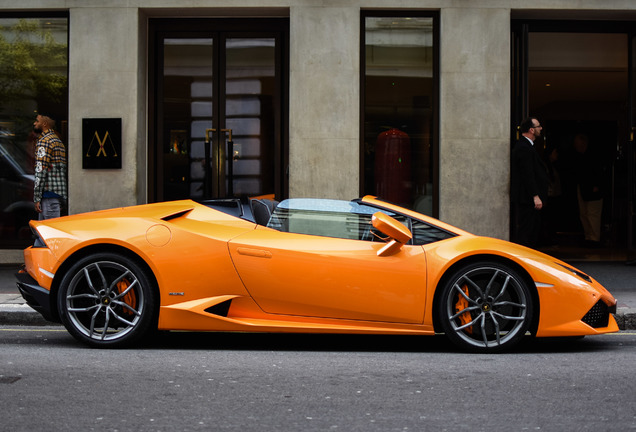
(104, 301)
(487, 307)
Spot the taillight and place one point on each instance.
(37, 242)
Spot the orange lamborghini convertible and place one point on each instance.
(302, 265)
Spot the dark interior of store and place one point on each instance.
(578, 85)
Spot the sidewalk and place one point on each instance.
(618, 278)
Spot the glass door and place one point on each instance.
(630, 150)
(218, 115)
(186, 111)
(249, 113)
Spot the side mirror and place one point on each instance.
(398, 234)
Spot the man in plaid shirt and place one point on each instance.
(50, 170)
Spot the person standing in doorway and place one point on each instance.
(589, 177)
(528, 184)
(50, 170)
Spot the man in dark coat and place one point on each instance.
(528, 184)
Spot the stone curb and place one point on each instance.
(23, 315)
(626, 318)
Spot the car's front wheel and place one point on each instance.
(106, 300)
(485, 307)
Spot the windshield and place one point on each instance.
(324, 217)
(327, 205)
(345, 220)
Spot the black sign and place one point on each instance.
(101, 143)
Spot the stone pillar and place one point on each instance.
(475, 119)
(324, 102)
(104, 82)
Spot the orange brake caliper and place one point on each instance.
(462, 304)
(130, 298)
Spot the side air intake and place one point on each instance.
(220, 309)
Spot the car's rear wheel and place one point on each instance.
(106, 300)
(485, 307)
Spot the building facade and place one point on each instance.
(413, 100)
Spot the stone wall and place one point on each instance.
(108, 78)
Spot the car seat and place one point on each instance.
(262, 210)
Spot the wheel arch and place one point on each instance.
(493, 258)
(94, 249)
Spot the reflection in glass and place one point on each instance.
(187, 109)
(249, 110)
(33, 79)
(398, 110)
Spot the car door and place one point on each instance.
(314, 276)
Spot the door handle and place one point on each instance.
(219, 160)
(258, 253)
(207, 180)
(207, 134)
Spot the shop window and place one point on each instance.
(33, 79)
(399, 109)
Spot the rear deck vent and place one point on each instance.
(220, 309)
(598, 316)
(176, 215)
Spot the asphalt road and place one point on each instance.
(246, 382)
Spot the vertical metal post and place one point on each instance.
(230, 163)
(219, 159)
(207, 174)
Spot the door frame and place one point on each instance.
(520, 29)
(228, 27)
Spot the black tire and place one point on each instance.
(485, 307)
(106, 300)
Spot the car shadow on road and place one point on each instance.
(351, 343)
(296, 342)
